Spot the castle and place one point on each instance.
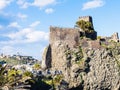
(57, 33)
(72, 37)
(71, 49)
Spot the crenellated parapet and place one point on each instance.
(86, 18)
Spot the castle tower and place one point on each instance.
(86, 18)
(92, 35)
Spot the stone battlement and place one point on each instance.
(86, 18)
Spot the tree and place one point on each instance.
(36, 66)
(85, 25)
(13, 76)
(81, 24)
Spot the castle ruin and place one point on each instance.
(115, 37)
(70, 37)
(71, 51)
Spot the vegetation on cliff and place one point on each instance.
(85, 26)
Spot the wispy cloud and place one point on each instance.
(34, 24)
(20, 2)
(23, 3)
(11, 49)
(49, 10)
(43, 3)
(7, 49)
(1, 27)
(93, 4)
(26, 35)
(4, 3)
(22, 16)
(36, 3)
(14, 25)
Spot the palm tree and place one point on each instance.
(2, 76)
(13, 76)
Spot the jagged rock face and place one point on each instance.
(46, 58)
(115, 37)
(104, 71)
(99, 69)
(85, 64)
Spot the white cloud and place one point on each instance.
(34, 24)
(36, 36)
(14, 25)
(19, 35)
(93, 4)
(23, 3)
(26, 35)
(49, 10)
(10, 50)
(43, 3)
(7, 50)
(21, 16)
(4, 3)
(20, 2)
(1, 27)
(36, 3)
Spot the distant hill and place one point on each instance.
(18, 59)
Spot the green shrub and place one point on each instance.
(79, 54)
(36, 66)
(57, 79)
(98, 37)
(27, 74)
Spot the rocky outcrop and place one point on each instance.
(46, 58)
(85, 64)
(104, 71)
(115, 37)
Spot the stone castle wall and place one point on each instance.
(68, 36)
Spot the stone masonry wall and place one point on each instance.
(68, 36)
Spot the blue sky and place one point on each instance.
(24, 24)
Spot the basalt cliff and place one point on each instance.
(86, 61)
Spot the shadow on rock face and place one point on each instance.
(77, 88)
